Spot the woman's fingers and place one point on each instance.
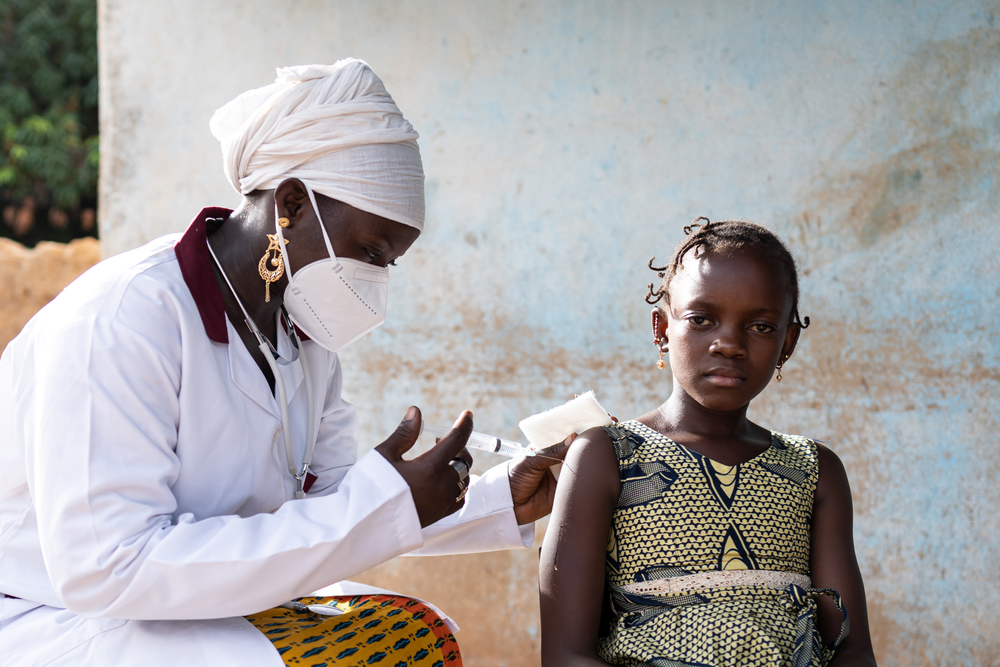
(453, 444)
(402, 439)
(552, 455)
(466, 456)
(435, 486)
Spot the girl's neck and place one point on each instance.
(682, 413)
(726, 437)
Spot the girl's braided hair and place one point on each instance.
(728, 236)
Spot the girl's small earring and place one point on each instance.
(284, 222)
(661, 364)
(780, 364)
(271, 275)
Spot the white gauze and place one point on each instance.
(335, 128)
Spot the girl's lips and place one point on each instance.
(724, 380)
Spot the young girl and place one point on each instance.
(691, 535)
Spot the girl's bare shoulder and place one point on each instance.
(833, 485)
(592, 459)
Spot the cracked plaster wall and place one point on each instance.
(564, 144)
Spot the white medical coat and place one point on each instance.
(145, 502)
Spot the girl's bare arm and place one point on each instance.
(572, 570)
(835, 565)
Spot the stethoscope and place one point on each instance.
(273, 359)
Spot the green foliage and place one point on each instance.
(48, 103)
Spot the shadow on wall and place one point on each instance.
(935, 149)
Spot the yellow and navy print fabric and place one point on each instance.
(681, 513)
(389, 630)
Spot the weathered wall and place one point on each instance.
(33, 277)
(565, 143)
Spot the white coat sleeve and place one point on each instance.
(102, 457)
(485, 523)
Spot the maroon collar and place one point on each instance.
(196, 268)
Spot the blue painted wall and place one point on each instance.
(565, 143)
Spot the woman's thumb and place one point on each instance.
(403, 437)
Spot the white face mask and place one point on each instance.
(334, 301)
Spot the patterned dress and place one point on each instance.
(681, 514)
(389, 630)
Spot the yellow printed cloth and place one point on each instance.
(390, 630)
(680, 513)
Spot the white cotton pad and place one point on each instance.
(553, 426)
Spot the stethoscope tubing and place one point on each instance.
(281, 395)
(279, 384)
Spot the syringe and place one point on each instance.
(483, 442)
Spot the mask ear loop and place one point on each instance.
(326, 237)
(322, 227)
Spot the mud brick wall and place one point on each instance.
(31, 277)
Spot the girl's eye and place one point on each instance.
(698, 320)
(761, 328)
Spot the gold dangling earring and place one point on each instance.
(780, 364)
(272, 275)
(661, 364)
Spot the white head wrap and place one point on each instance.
(336, 129)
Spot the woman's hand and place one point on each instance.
(433, 483)
(532, 484)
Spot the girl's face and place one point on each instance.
(727, 326)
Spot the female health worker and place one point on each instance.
(177, 454)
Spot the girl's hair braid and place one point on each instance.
(728, 236)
